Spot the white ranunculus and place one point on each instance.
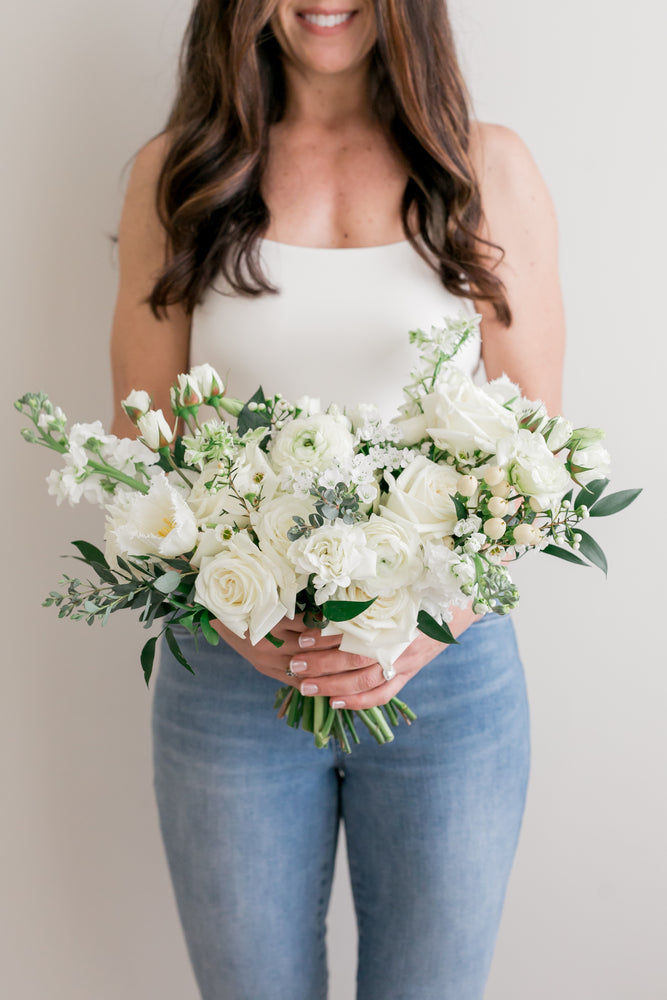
(336, 554)
(462, 418)
(154, 429)
(384, 630)
(398, 551)
(158, 523)
(536, 472)
(312, 442)
(238, 586)
(595, 459)
(421, 496)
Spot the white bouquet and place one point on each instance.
(372, 530)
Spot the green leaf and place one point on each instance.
(562, 553)
(175, 650)
(614, 502)
(461, 511)
(248, 419)
(210, 633)
(589, 494)
(168, 582)
(343, 611)
(590, 548)
(147, 658)
(427, 624)
(90, 553)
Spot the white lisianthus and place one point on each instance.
(209, 382)
(594, 460)
(154, 429)
(336, 554)
(136, 404)
(158, 523)
(536, 472)
(384, 630)
(422, 497)
(398, 551)
(462, 418)
(313, 442)
(238, 586)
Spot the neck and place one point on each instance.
(327, 100)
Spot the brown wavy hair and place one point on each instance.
(232, 89)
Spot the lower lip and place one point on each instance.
(316, 29)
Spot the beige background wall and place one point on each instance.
(86, 906)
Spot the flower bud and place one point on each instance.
(493, 475)
(209, 382)
(501, 489)
(584, 437)
(136, 404)
(494, 528)
(448, 542)
(186, 395)
(154, 429)
(557, 433)
(498, 506)
(527, 534)
(466, 486)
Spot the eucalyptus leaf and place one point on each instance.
(427, 624)
(168, 582)
(147, 658)
(209, 632)
(566, 554)
(175, 650)
(90, 553)
(613, 503)
(590, 548)
(344, 611)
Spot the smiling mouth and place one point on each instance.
(326, 19)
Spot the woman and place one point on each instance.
(319, 188)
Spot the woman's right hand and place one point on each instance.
(298, 640)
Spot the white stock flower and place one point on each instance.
(421, 496)
(536, 472)
(158, 523)
(238, 586)
(312, 442)
(154, 429)
(73, 484)
(461, 418)
(336, 554)
(468, 525)
(384, 630)
(595, 459)
(446, 573)
(398, 551)
(80, 435)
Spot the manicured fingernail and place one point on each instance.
(309, 689)
(298, 666)
(305, 641)
(338, 704)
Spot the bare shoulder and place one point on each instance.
(510, 181)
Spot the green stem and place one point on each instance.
(348, 719)
(322, 735)
(406, 712)
(369, 722)
(340, 734)
(381, 723)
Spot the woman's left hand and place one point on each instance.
(366, 687)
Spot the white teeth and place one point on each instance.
(327, 20)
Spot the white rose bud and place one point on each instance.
(154, 429)
(494, 528)
(136, 404)
(498, 507)
(527, 534)
(501, 489)
(493, 475)
(466, 486)
(209, 381)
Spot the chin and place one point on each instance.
(325, 36)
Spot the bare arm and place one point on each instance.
(146, 353)
(520, 218)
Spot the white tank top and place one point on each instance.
(337, 329)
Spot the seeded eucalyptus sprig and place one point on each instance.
(341, 502)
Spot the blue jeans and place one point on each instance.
(250, 809)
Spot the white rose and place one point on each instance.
(157, 523)
(536, 472)
(422, 497)
(154, 429)
(313, 442)
(398, 552)
(462, 418)
(271, 523)
(412, 428)
(384, 630)
(137, 403)
(238, 586)
(336, 554)
(595, 459)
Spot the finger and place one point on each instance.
(315, 640)
(322, 662)
(344, 685)
(371, 699)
